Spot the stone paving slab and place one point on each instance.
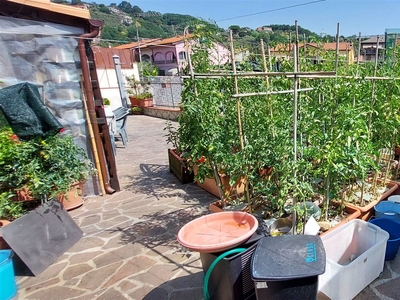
(129, 248)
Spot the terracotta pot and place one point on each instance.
(3, 244)
(23, 195)
(368, 211)
(148, 102)
(179, 167)
(74, 197)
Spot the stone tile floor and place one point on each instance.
(129, 248)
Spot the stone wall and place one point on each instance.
(166, 90)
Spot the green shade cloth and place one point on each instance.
(26, 113)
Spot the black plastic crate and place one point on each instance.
(287, 267)
(231, 277)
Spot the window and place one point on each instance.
(170, 57)
(146, 58)
(159, 57)
(182, 55)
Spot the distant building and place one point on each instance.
(264, 29)
(169, 54)
(346, 49)
(368, 48)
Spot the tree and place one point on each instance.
(104, 9)
(136, 10)
(125, 7)
(76, 2)
(235, 29)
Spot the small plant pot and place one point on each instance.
(179, 167)
(147, 102)
(74, 198)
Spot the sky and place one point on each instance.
(370, 17)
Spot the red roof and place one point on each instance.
(104, 57)
(154, 42)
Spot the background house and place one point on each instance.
(169, 54)
(368, 48)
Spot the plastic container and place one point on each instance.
(387, 209)
(218, 231)
(287, 267)
(393, 228)
(8, 286)
(355, 256)
(231, 277)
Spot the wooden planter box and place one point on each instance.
(148, 102)
(353, 212)
(179, 167)
(210, 185)
(368, 211)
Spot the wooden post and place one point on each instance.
(358, 51)
(337, 47)
(238, 107)
(269, 57)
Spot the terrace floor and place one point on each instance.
(129, 248)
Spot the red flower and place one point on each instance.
(62, 130)
(14, 137)
(202, 159)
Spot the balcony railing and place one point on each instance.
(162, 62)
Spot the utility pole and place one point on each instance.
(140, 53)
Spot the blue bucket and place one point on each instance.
(393, 228)
(387, 209)
(8, 287)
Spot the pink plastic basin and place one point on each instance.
(218, 231)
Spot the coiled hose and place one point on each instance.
(207, 277)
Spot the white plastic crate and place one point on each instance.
(355, 256)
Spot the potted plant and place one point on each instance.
(138, 92)
(106, 101)
(136, 110)
(177, 164)
(45, 167)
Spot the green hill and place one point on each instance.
(125, 22)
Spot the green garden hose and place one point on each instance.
(207, 277)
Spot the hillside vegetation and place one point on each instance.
(125, 22)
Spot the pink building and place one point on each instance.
(169, 54)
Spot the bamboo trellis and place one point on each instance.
(296, 75)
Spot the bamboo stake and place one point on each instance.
(305, 44)
(92, 140)
(270, 93)
(337, 48)
(295, 83)
(189, 59)
(266, 80)
(358, 51)
(238, 107)
(264, 62)
(269, 57)
(244, 74)
(297, 47)
(373, 85)
(394, 48)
